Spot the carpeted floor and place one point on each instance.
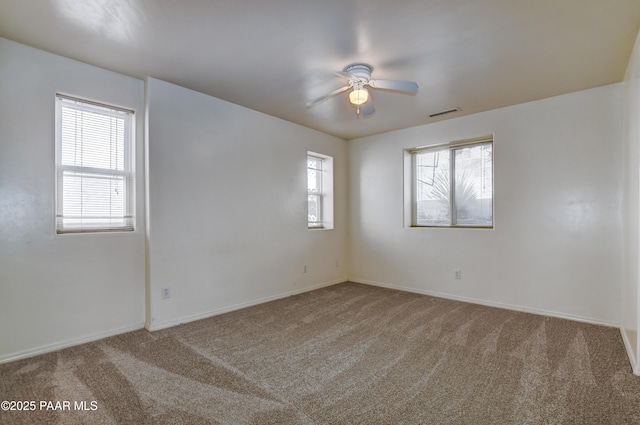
(346, 354)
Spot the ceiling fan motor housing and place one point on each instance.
(360, 70)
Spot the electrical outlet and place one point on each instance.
(457, 274)
(305, 269)
(337, 263)
(166, 293)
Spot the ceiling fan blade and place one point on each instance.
(326, 97)
(398, 85)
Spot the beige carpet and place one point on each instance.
(346, 354)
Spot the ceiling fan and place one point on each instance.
(358, 77)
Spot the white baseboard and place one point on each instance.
(68, 343)
(628, 345)
(162, 325)
(488, 303)
(156, 326)
(6, 358)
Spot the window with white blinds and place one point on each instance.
(94, 178)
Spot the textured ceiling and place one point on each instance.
(273, 56)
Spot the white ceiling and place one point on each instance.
(273, 56)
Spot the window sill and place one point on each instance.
(78, 232)
(319, 228)
(450, 227)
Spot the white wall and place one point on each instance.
(631, 255)
(58, 290)
(227, 206)
(556, 245)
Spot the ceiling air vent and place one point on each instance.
(448, 111)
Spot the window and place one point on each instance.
(453, 185)
(319, 191)
(94, 179)
(314, 191)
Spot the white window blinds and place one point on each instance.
(94, 167)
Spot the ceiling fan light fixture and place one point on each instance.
(359, 96)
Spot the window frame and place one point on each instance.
(327, 191)
(452, 147)
(127, 173)
(318, 224)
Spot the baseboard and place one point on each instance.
(628, 345)
(68, 343)
(488, 303)
(156, 326)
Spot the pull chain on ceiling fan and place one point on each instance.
(358, 77)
